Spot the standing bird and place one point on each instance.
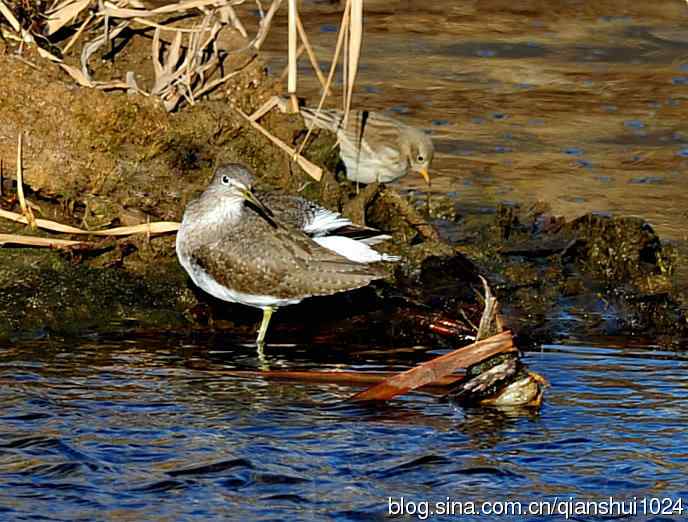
(327, 228)
(238, 250)
(375, 147)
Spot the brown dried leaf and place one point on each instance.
(64, 14)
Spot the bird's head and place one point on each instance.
(420, 152)
(231, 179)
(233, 183)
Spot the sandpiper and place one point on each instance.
(238, 249)
(375, 147)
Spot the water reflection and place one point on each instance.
(506, 91)
(139, 430)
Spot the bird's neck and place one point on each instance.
(208, 216)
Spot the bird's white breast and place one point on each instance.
(185, 244)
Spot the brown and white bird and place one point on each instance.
(373, 146)
(236, 248)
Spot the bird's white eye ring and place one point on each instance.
(420, 158)
(225, 180)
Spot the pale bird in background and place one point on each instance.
(236, 248)
(375, 147)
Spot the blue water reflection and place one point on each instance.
(159, 432)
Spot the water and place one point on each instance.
(507, 91)
(580, 104)
(153, 430)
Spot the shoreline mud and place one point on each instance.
(96, 160)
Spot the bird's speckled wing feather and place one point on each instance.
(315, 220)
(370, 144)
(291, 210)
(282, 262)
(376, 132)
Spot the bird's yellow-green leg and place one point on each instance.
(267, 314)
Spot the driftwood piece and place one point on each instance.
(340, 377)
(489, 325)
(437, 368)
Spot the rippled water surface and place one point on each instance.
(138, 430)
(580, 104)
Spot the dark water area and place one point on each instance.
(579, 104)
(153, 430)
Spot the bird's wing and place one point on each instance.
(329, 119)
(302, 214)
(256, 258)
(375, 133)
(317, 221)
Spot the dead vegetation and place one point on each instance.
(189, 52)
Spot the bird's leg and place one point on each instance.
(267, 314)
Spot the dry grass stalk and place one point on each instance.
(64, 14)
(157, 227)
(340, 40)
(187, 69)
(19, 240)
(292, 48)
(26, 210)
(312, 170)
(77, 35)
(305, 44)
(190, 65)
(285, 71)
(9, 15)
(264, 25)
(353, 52)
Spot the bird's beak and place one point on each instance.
(251, 198)
(426, 175)
(259, 206)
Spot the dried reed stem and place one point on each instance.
(7, 13)
(333, 67)
(18, 239)
(291, 81)
(26, 210)
(265, 24)
(157, 227)
(285, 71)
(312, 170)
(76, 36)
(311, 55)
(354, 51)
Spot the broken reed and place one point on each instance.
(188, 64)
(187, 60)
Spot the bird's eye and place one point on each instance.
(420, 158)
(225, 180)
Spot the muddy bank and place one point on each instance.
(592, 276)
(94, 159)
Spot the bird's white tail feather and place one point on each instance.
(352, 249)
(325, 221)
(374, 240)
